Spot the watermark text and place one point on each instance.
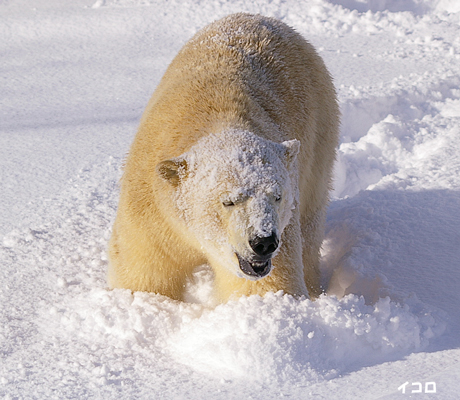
(417, 387)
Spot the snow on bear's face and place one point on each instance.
(236, 192)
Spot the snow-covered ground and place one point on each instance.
(74, 80)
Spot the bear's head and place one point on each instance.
(235, 191)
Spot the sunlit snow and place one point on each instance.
(75, 78)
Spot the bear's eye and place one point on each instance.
(228, 203)
(278, 198)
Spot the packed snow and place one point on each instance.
(233, 166)
(75, 78)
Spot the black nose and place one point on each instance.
(264, 246)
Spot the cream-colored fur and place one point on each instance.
(244, 73)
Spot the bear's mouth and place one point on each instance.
(255, 268)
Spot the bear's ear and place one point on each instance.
(172, 170)
(292, 148)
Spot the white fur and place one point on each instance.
(246, 113)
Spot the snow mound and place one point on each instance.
(449, 6)
(260, 339)
(279, 337)
(402, 140)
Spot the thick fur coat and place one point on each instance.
(256, 92)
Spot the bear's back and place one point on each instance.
(243, 71)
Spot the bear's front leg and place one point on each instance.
(142, 262)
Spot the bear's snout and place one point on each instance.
(264, 246)
(259, 264)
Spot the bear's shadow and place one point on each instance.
(396, 243)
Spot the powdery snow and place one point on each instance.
(233, 166)
(75, 79)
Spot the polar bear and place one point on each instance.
(230, 166)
